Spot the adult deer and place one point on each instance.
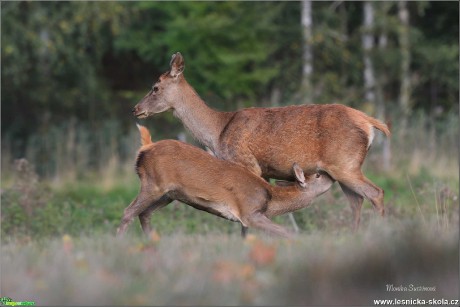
(267, 141)
(171, 170)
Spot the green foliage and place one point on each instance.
(438, 75)
(92, 61)
(230, 44)
(52, 57)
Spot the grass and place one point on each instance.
(58, 245)
(37, 209)
(64, 252)
(215, 269)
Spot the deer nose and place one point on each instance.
(134, 110)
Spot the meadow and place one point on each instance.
(222, 269)
(59, 216)
(71, 74)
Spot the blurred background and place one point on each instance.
(72, 71)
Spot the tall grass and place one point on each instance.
(73, 150)
(34, 209)
(79, 180)
(427, 144)
(76, 150)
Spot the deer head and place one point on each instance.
(164, 92)
(317, 183)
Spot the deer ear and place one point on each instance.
(299, 175)
(177, 64)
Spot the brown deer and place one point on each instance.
(172, 170)
(267, 141)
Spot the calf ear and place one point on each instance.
(299, 175)
(177, 65)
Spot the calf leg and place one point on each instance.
(137, 206)
(260, 221)
(145, 215)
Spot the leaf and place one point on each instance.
(262, 253)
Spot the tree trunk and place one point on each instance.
(307, 57)
(382, 76)
(275, 96)
(374, 86)
(344, 33)
(405, 88)
(382, 79)
(368, 45)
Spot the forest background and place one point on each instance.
(72, 71)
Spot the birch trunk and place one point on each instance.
(307, 57)
(368, 45)
(405, 88)
(374, 86)
(380, 112)
(382, 80)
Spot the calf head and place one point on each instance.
(318, 183)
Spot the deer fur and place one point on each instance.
(171, 170)
(332, 138)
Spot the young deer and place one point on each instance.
(331, 138)
(172, 170)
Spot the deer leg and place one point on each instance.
(244, 231)
(126, 219)
(373, 193)
(260, 221)
(145, 215)
(356, 202)
(362, 186)
(137, 206)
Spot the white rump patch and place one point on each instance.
(371, 136)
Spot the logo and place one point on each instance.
(8, 301)
(4, 300)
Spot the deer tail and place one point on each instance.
(379, 125)
(146, 138)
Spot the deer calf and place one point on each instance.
(331, 138)
(172, 170)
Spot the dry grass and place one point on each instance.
(179, 269)
(75, 151)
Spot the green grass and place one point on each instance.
(89, 207)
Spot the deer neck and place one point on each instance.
(288, 199)
(204, 123)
